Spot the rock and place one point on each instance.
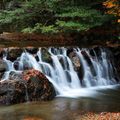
(16, 65)
(74, 58)
(37, 58)
(14, 53)
(30, 85)
(116, 63)
(1, 75)
(46, 55)
(89, 62)
(1, 52)
(39, 87)
(26, 65)
(63, 62)
(32, 50)
(15, 75)
(12, 92)
(95, 51)
(69, 51)
(76, 62)
(3, 66)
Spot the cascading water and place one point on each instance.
(63, 75)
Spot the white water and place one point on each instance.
(65, 79)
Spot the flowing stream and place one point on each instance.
(63, 75)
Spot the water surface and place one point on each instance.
(104, 99)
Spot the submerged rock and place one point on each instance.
(30, 85)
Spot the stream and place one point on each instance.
(106, 100)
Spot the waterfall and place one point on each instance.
(97, 70)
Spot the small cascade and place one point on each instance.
(97, 70)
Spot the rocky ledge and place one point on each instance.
(30, 85)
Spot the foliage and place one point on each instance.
(113, 7)
(70, 25)
(39, 28)
(50, 16)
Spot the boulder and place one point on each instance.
(14, 53)
(29, 85)
(38, 86)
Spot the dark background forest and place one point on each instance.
(55, 16)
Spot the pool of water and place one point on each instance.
(104, 99)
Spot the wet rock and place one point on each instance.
(32, 50)
(75, 59)
(1, 75)
(69, 51)
(15, 76)
(3, 66)
(116, 63)
(76, 63)
(2, 51)
(25, 66)
(63, 62)
(95, 51)
(14, 53)
(46, 56)
(12, 92)
(38, 86)
(30, 85)
(88, 58)
(16, 65)
(37, 58)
